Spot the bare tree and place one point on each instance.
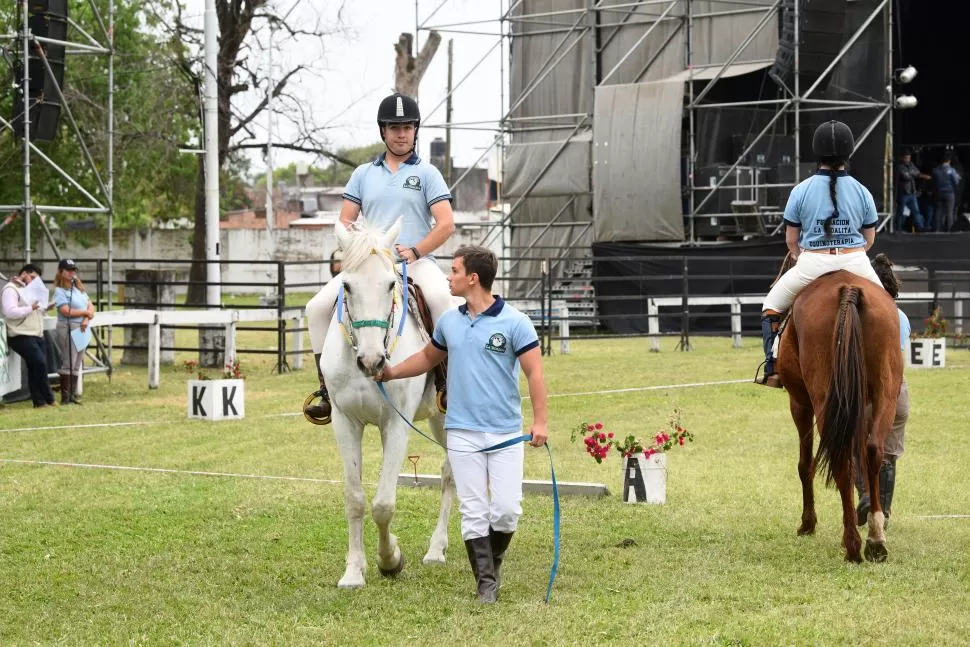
(408, 69)
(244, 26)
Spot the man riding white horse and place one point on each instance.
(397, 183)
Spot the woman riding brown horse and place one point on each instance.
(840, 361)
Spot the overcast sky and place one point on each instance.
(354, 69)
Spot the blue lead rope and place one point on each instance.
(502, 445)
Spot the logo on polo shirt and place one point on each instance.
(413, 182)
(497, 343)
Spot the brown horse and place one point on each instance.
(841, 364)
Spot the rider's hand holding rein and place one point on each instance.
(409, 254)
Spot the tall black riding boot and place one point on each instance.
(500, 543)
(483, 566)
(319, 411)
(887, 483)
(769, 331)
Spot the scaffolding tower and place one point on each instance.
(97, 190)
(592, 44)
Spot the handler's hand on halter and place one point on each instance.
(539, 435)
(384, 375)
(406, 253)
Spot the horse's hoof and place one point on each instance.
(434, 559)
(804, 531)
(875, 551)
(349, 584)
(393, 572)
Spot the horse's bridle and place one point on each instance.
(344, 304)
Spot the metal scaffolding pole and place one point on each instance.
(794, 103)
(28, 42)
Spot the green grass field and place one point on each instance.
(92, 555)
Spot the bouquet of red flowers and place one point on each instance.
(599, 441)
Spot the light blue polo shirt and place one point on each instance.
(904, 328)
(76, 299)
(383, 195)
(810, 204)
(483, 366)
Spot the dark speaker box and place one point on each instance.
(48, 25)
(44, 118)
(40, 80)
(57, 7)
(821, 34)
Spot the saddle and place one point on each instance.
(418, 306)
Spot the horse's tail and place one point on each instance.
(843, 425)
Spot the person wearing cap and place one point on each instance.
(906, 176)
(946, 180)
(830, 222)
(25, 333)
(396, 184)
(74, 312)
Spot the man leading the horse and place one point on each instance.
(398, 183)
(485, 342)
(830, 222)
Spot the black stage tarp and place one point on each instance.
(625, 275)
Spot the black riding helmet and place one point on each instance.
(833, 139)
(399, 109)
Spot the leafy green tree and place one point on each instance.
(243, 28)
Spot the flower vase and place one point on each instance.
(645, 479)
(926, 352)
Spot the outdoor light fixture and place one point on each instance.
(905, 101)
(906, 74)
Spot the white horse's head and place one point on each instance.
(370, 285)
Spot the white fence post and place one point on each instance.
(154, 352)
(653, 325)
(736, 323)
(230, 349)
(564, 330)
(297, 361)
(958, 316)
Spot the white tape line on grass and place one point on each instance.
(162, 470)
(944, 516)
(634, 389)
(91, 426)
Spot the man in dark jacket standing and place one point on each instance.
(906, 175)
(946, 179)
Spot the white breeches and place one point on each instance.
(478, 475)
(811, 266)
(424, 271)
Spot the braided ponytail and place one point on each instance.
(834, 164)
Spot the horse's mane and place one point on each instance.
(363, 241)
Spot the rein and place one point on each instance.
(502, 445)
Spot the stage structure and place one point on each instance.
(41, 90)
(45, 39)
(677, 121)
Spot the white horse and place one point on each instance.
(357, 350)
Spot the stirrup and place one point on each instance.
(441, 401)
(308, 402)
(773, 380)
